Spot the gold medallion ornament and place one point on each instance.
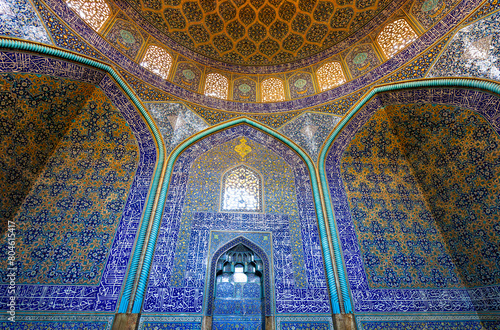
(243, 149)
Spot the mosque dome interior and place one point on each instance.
(250, 164)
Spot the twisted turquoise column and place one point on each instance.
(141, 287)
(13, 44)
(444, 82)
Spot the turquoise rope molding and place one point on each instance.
(13, 44)
(142, 283)
(440, 82)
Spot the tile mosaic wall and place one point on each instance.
(429, 12)
(368, 299)
(429, 321)
(169, 322)
(57, 322)
(68, 220)
(458, 178)
(398, 237)
(299, 281)
(125, 37)
(245, 90)
(108, 147)
(300, 85)
(188, 75)
(310, 130)
(361, 59)
(176, 122)
(35, 113)
(291, 322)
(19, 19)
(473, 52)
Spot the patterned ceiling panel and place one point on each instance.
(258, 32)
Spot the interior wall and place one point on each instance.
(413, 181)
(35, 113)
(455, 155)
(76, 228)
(194, 227)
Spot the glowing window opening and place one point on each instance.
(158, 61)
(216, 85)
(242, 190)
(272, 90)
(330, 75)
(94, 12)
(396, 36)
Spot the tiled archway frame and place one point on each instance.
(309, 207)
(146, 128)
(267, 272)
(477, 95)
(103, 297)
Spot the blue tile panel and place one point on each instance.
(473, 52)
(169, 322)
(299, 281)
(310, 130)
(368, 297)
(441, 321)
(218, 306)
(297, 325)
(56, 322)
(18, 19)
(176, 122)
(30, 105)
(239, 323)
(305, 322)
(460, 11)
(108, 251)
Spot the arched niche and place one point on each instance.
(263, 269)
(177, 269)
(411, 129)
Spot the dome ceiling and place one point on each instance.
(258, 32)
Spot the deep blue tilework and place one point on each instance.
(162, 297)
(18, 19)
(473, 52)
(176, 122)
(437, 325)
(171, 325)
(297, 325)
(104, 296)
(310, 130)
(408, 300)
(237, 323)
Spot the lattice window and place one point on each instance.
(241, 190)
(272, 90)
(158, 61)
(396, 36)
(216, 85)
(94, 12)
(330, 75)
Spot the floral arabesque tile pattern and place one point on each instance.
(19, 19)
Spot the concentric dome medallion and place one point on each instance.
(258, 32)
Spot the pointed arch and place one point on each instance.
(162, 195)
(330, 218)
(266, 260)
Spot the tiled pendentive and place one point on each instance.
(176, 122)
(19, 19)
(473, 52)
